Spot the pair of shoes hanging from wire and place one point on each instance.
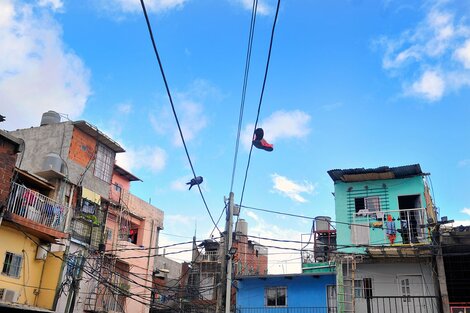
(259, 142)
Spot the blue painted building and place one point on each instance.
(293, 293)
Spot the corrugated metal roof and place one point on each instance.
(126, 174)
(383, 172)
(93, 131)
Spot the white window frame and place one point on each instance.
(13, 269)
(104, 163)
(276, 289)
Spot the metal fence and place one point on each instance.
(403, 304)
(36, 207)
(286, 310)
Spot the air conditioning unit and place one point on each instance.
(7, 295)
(41, 252)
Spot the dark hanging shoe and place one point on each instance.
(259, 134)
(263, 144)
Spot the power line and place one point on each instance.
(261, 97)
(245, 83)
(173, 108)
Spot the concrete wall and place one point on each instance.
(302, 291)
(386, 279)
(58, 138)
(173, 267)
(395, 188)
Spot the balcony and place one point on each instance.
(286, 310)
(40, 214)
(210, 256)
(405, 235)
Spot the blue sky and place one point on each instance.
(351, 84)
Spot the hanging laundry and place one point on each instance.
(259, 142)
(391, 229)
(195, 181)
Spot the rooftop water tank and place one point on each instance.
(53, 162)
(50, 117)
(242, 227)
(322, 223)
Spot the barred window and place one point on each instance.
(12, 264)
(276, 296)
(104, 163)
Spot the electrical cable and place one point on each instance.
(261, 98)
(244, 88)
(173, 107)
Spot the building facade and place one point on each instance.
(31, 223)
(384, 251)
(296, 293)
(83, 223)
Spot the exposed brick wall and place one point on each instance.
(7, 166)
(82, 147)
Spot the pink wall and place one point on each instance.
(148, 220)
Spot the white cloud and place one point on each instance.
(147, 158)
(466, 211)
(462, 54)
(124, 108)
(291, 189)
(280, 125)
(134, 6)
(253, 215)
(437, 49)
(431, 86)
(464, 163)
(263, 8)
(37, 72)
(281, 260)
(53, 4)
(189, 105)
(178, 219)
(180, 183)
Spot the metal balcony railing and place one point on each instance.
(210, 256)
(37, 207)
(285, 310)
(403, 304)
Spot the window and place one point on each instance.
(331, 298)
(12, 264)
(372, 204)
(363, 288)
(359, 204)
(117, 187)
(276, 296)
(367, 205)
(104, 163)
(109, 234)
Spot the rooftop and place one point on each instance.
(383, 172)
(126, 174)
(93, 131)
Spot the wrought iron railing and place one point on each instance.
(210, 256)
(37, 207)
(403, 304)
(286, 309)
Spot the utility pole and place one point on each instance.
(224, 289)
(228, 255)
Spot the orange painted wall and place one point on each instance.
(82, 147)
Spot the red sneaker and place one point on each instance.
(263, 144)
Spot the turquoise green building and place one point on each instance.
(385, 206)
